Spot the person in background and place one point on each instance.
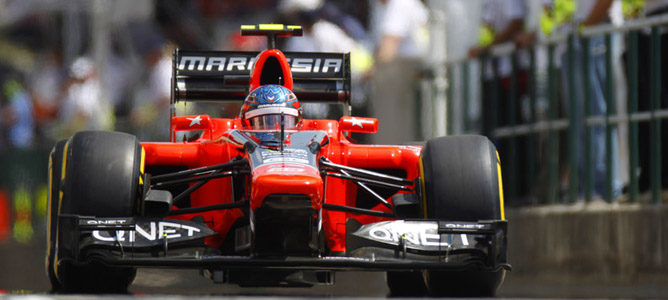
(352, 26)
(591, 13)
(150, 112)
(548, 18)
(17, 115)
(568, 16)
(84, 107)
(638, 9)
(320, 35)
(502, 21)
(399, 30)
(45, 88)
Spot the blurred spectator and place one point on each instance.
(84, 107)
(179, 21)
(567, 16)
(591, 13)
(46, 88)
(117, 78)
(399, 28)
(502, 22)
(16, 114)
(651, 8)
(150, 113)
(321, 35)
(333, 13)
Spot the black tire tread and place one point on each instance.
(461, 178)
(101, 180)
(102, 167)
(462, 184)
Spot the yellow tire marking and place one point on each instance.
(62, 172)
(142, 163)
(48, 213)
(60, 204)
(498, 172)
(422, 186)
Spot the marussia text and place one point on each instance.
(222, 64)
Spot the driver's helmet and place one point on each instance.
(264, 106)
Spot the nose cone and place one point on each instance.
(286, 178)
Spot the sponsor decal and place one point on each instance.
(107, 222)
(422, 235)
(195, 121)
(464, 226)
(289, 155)
(286, 170)
(148, 232)
(360, 122)
(241, 63)
(208, 63)
(317, 65)
(413, 233)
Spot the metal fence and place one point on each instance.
(535, 171)
(23, 193)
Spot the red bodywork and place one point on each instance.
(214, 147)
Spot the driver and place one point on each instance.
(263, 109)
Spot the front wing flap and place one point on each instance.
(84, 237)
(389, 245)
(480, 244)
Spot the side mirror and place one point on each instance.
(189, 123)
(200, 123)
(358, 124)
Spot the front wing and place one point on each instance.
(389, 245)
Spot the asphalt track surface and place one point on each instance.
(22, 272)
(22, 277)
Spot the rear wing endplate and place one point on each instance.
(225, 76)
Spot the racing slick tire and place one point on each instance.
(102, 179)
(462, 182)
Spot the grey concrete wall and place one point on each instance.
(589, 244)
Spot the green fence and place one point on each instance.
(530, 146)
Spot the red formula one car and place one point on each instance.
(269, 198)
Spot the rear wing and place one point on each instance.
(225, 76)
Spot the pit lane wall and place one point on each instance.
(594, 243)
